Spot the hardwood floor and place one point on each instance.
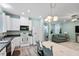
(26, 51)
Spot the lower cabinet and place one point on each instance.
(15, 43)
(30, 40)
(3, 52)
(12, 46)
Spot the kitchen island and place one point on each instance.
(5, 43)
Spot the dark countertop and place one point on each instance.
(2, 46)
(9, 38)
(10, 35)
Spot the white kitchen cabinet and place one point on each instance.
(16, 42)
(12, 46)
(3, 52)
(26, 40)
(30, 40)
(2, 22)
(9, 22)
(13, 23)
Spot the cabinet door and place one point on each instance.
(8, 22)
(4, 23)
(15, 43)
(15, 25)
(1, 23)
(30, 40)
(12, 46)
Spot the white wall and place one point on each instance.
(57, 28)
(69, 27)
(37, 29)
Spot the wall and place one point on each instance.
(69, 27)
(57, 28)
(37, 29)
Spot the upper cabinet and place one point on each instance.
(15, 24)
(9, 22)
(2, 22)
(12, 22)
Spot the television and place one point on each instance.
(77, 29)
(24, 28)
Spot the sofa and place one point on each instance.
(58, 38)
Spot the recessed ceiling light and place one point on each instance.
(46, 19)
(64, 20)
(55, 18)
(23, 13)
(40, 16)
(5, 5)
(28, 11)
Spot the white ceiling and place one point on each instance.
(62, 10)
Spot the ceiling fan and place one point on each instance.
(75, 17)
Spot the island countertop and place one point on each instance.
(9, 39)
(4, 44)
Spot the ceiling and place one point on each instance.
(62, 10)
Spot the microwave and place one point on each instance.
(24, 28)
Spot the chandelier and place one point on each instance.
(51, 18)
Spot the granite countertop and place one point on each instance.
(10, 35)
(4, 44)
(7, 37)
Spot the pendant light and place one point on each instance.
(51, 18)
